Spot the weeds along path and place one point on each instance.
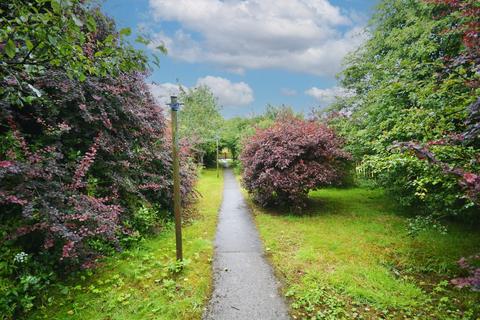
(244, 284)
(139, 284)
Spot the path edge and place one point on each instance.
(278, 275)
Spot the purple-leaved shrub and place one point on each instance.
(471, 265)
(282, 163)
(79, 151)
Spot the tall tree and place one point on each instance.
(408, 90)
(200, 121)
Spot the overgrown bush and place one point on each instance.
(282, 163)
(412, 120)
(413, 183)
(107, 130)
(81, 139)
(471, 266)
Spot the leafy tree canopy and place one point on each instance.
(71, 35)
(414, 81)
(200, 120)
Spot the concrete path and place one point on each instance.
(244, 284)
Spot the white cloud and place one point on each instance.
(228, 93)
(162, 92)
(327, 96)
(288, 92)
(296, 35)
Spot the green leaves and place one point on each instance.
(403, 94)
(78, 22)
(125, 32)
(29, 44)
(200, 119)
(10, 49)
(56, 6)
(64, 33)
(91, 24)
(162, 49)
(142, 40)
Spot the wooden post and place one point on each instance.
(176, 180)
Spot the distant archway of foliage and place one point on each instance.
(283, 162)
(84, 153)
(413, 121)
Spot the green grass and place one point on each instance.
(141, 283)
(349, 256)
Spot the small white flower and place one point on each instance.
(21, 257)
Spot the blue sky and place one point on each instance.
(250, 53)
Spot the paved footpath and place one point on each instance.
(244, 284)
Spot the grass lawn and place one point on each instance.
(349, 256)
(142, 283)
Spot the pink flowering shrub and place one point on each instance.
(83, 146)
(471, 265)
(281, 164)
(107, 129)
(117, 135)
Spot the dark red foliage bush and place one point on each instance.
(281, 164)
(471, 266)
(83, 146)
(106, 130)
(78, 152)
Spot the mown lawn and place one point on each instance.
(142, 283)
(349, 256)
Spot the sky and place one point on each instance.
(250, 53)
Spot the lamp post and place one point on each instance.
(218, 171)
(174, 106)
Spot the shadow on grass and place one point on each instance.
(315, 206)
(337, 201)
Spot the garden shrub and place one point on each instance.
(412, 118)
(145, 218)
(282, 163)
(109, 129)
(413, 183)
(471, 266)
(80, 138)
